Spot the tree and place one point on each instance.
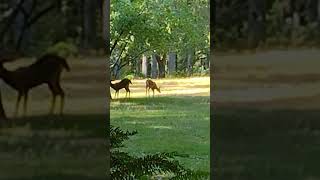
(142, 27)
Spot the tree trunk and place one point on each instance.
(318, 11)
(144, 65)
(172, 63)
(116, 70)
(138, 66)
(256, 23)
(296, 20)
(154, 66)
(89, 24)
(18, 23)
(105, 24)
(189, 62)
(162, 66)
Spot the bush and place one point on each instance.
(129, 76)
(63, 49)
(125, 166)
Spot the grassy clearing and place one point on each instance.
(266, 144)
(42, 147)
(167, 123)
(72, 147)
(266, 120)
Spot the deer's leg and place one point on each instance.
(127, 91)
(153, 92)
(17, 104)
(53, 103)
(25, 103)
(53, 100)
(61, 93)
(62, 103)
(115, 94)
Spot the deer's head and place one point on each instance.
(158, 89)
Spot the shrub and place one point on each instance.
(129, 76)
(125, 166)
(63, 49)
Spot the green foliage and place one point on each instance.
(232, 24)
(129, 76)
(63, 49)
(163, 26)
(125, 166)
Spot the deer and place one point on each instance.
(46, 70)
(124, 83)
(151, 85)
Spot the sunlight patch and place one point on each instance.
(160, 127)
(135, 122)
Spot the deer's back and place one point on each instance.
(124, 83)
(44, 70)
(151, 84)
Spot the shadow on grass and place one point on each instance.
(266, 144)
(54, 147)
(94, 123)
(170, 100)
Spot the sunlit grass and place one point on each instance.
(195, 86)
(175, 121)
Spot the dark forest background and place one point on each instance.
(66, 26)
(267, 23)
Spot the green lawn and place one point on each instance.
(253, 144)
(42, 147)
(167, 124)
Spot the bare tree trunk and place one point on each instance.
(89, 24)
(189, 62)
(144, 65)
(138, 66)
(105, 20)
(256, 23)
(172, 63)
(154, 66)
(162, 66)
(318, 13)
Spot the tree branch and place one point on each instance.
(11, 19)
(30, 21)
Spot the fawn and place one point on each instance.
(151, 85)
(124, 83)
(46, 70)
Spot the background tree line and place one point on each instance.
(65, 27)
(269, 23)
(155, 38)
(33, 26)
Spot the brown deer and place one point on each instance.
(46, 70)
(124, 83)
(151, 85)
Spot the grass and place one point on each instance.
(43, 147)
(167, 124)
(266, 116)
(50, 147)
(266, 144)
